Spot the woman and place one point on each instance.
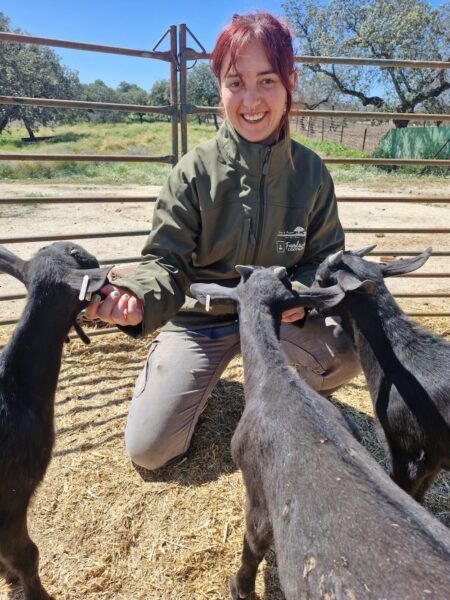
(249, 196)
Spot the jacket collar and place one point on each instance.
(250, 155)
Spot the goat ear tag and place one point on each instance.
(84, 286)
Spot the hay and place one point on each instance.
(106, 530)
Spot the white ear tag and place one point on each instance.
(208, 303)
(84, 287)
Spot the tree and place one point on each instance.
(34, 71)
(160, 96)
(386, 29)
(98, 91)
(130, 93)
(202, 88)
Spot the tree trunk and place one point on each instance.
(215, 122)
(28, 127)
(3, 123)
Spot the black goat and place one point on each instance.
(341, 527)
(406, 367)
(29, 369)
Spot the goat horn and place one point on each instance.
(334, 258)
(364, 251)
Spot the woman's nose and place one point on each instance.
(252, 99)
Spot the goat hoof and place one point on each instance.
(233, 587)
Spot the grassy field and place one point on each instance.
(140, 139)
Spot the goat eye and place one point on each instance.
(74, 252)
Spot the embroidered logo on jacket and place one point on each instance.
(291, 241)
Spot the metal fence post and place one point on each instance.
(174, 90)
(183, 87)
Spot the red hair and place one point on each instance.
(276, 39)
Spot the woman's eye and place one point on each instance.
(268, 81)
(234, 84)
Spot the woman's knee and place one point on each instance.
(148, 451)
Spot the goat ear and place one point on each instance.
(317, 297)
(406, 265)
(364, 251)
(280, 272)
(218, 293)
(244, 270)
(350, 283)
(97, 278)
(12, 264)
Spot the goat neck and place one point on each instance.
(260, 344)
(33, 354)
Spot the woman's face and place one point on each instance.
(253, 95)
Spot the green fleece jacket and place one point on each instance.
(230, 202)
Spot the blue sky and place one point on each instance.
(135, 24)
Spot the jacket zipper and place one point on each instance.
(260, 220)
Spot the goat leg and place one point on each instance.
(410, 473)
(21, 557)
(255, 548)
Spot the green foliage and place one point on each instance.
(386, 29)
(34, 71)
(160, 96)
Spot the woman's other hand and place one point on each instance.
(293, 314)
(117, 306)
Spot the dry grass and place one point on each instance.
(106, 530)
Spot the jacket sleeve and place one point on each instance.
(324, 233)
(165, 271)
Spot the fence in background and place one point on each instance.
(179, 110)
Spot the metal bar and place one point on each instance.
(170, 159)
(345, 60)
(401, 199)
(425, 276)
(42, 41)
(84, 105)
(174, 90)
(120, 260)
(79, 200)
(396, 230)
(132, 199)
(88, 158)
(335, 114)
(73, 236)
(387, 161)
(380, 116)
(426, 295)
(407, 252)
(183, 88)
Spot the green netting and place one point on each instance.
(415, 142)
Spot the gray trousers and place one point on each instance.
(182, 368)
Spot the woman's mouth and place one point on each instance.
(253, 117)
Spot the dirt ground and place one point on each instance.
(106, 530)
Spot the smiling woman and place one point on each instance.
(252, 196)
(255, 70)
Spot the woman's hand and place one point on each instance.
(293, 314)
(119, 306)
